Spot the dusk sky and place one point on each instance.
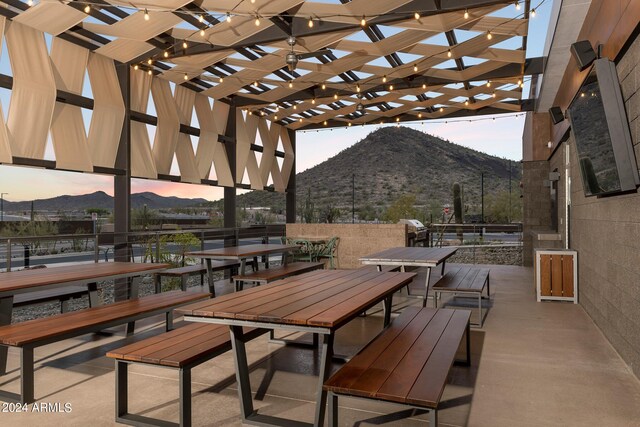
(501, 137)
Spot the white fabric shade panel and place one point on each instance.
(53, 17)
(166, 137)
(34, 91)
(185, 100)
(108, 111)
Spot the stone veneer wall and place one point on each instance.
(606, 233)
(536, 206)
(356, 240)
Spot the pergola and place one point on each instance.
(232, 78)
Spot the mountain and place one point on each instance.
(393, 161)
(100, 199)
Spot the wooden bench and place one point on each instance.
(183, 349)
(35, 333)
(408, 363)
(464, 280)
(384, 268)
(63, 295)
(191, 270)
(271, 274)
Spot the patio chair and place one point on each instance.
(330, 251)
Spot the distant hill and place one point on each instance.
(393, 161)
(100, 199)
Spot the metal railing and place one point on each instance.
(22, 251)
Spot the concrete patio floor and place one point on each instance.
(532, 364)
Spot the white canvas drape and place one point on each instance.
(34, 91)
(245, 158)
(166, 138)
(108, 111)
(5, 148)
(212, 123)
(142, 163)
(68, 133)
(185, 100)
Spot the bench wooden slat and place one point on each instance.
(283, 271)
(390, 358)
(430, 384)
(182, 346)
(49, 295)
(398, 386)
(199, 268)
(31, 331)
(407, 363)
(480, 280)
(450, 279)
(463, 279)
(385, 268)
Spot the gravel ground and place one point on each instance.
(105, 293)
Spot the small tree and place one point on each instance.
(329, 214)
(402, 207)
(308, 211)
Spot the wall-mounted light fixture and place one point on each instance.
(583, 53)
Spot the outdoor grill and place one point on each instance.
(416, 231)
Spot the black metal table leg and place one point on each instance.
(242, 371)
(325, 370)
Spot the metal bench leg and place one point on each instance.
(433, 417)
(426, 287)
(134, 292)
(387, 309)
(169, 321)
(93, 295)
(26, 375)
(122, 390)
(212, 288)
(436, 295)
(242, 371)
(185, 397)
(6, 308)
(333, 410)
(468, 339)
(480, 309)
(325, 371)
(157, 283)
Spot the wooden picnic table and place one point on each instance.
(412, 257)
(240, 253)
(319, 302)
(24, 281)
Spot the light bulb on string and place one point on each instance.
(185, 44)
(533, 13)
(416, 15)
(384, 79)
(489, 35)
(201, 18)
(186, 77)
(202, 33)
(449, 54)
(310, 22)
(517, 5)
(466, 14)
(87, 9)
(166, 54)
(257, 21)
(30, 3)
(136, 67)
(228, 17)
(324, 86)
(221, 80)
(363, 21)
(146, 15)
(415, 68)
(149, 61)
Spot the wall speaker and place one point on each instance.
(583, 53)
(556, 115)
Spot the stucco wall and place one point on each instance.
(606, 233)
(356, 240)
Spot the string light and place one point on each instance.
(202, 33)
(390, 88)
(335, 96)
(466, 14)
(146, 15)
(290, 85)
(275, 117)
(363, 21)
(397, 119)
(300, 119)
(186, 77)
(150, 72)
(517, 5)
(533, 13)
(466, 102)
(358, 88)
(441, 109)
(313, 101)
(419, 115)
(257, 21)
(253, 1)
(494, 95)
(228, 18)
(416, 15)
(149, 61)
(184, 44)
(519, 82)
(384, 79)
(415, 68)
(324, 86)
(489, 36)
(449, 53)
(201, 18)
(136, 67)
(166, 54)
(30, 3)
(349, 124)
(310, 22)
(424, 85)
(324, 123)
(87, 9)
(488, 83)
(295, 107)
(221, 79)
(255, 83)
